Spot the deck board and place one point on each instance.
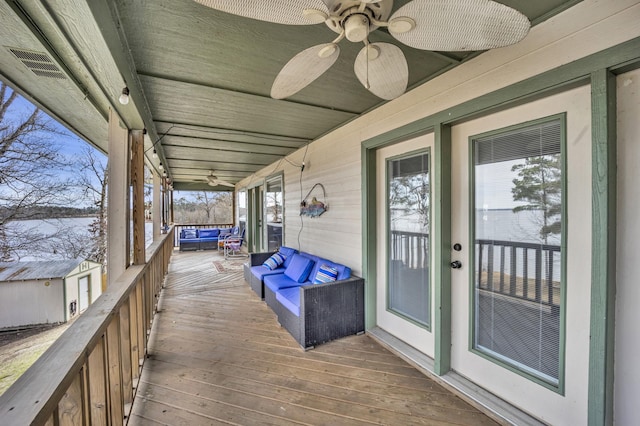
(218, 356)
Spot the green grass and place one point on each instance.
(10, 371)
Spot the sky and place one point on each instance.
(70, 144)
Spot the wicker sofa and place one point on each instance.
(312, 313)
(255, 271)
(199, 239)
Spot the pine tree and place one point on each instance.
(539, 185)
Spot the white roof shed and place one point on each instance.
(43, 292)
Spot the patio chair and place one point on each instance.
(233, 244)
(225, 233)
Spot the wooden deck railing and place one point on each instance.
(412, 248)
(180, 226)
(90, 374)
(522, 270)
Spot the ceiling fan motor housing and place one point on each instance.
(342, 11)
(356, 27)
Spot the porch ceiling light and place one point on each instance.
(155, 154)
(124, 97)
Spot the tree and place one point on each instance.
(204, 207)
(93, 180)
(539, 185)
(29, 182)
(411, 195)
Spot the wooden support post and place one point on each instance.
(117, 205)
(157, 208)
(163, 191)
(137, 182)
(171, 219)
(233, 209)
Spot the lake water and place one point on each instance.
(76, 226)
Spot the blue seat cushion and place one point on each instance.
(209, 233)
(288, 253)
(299, 268)
(262, 271)
(290, 299)
(276, 282)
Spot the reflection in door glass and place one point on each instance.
(242, 209)
(408, 197)
(273, 213)
(518, 263)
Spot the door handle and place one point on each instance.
(456, 264)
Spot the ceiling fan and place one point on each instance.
(212, 180)
(444, 25)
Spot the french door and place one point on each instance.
(255, 231)
(520, 228)
(404, 287)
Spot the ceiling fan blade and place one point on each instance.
(387, 74)
(225, 183)
(303, 69)
(289, 12)
(459, 25)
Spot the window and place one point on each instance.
(242, 209)
(408, 198)
(518, 223)
(274, 211)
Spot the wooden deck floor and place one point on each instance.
(217, 356)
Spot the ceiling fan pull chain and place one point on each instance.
(366, 45)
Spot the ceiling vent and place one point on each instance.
(39, 63)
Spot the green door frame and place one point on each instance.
(255, 216)
(598, 70)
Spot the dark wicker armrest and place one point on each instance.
(256, 259)
(332, 310)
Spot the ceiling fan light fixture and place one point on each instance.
(401, 24)
(356, 27)
(315, 16)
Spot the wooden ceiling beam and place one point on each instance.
(172, 79)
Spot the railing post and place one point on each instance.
(114, 365)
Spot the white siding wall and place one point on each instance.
(31, 302)
(627, 369)
(334, 160)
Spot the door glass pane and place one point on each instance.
(242, 209)
(409, 203)
(517, 271)
(273, 213)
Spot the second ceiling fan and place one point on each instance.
(440, 25)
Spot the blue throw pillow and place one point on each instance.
(274, 261)
(325, 274)
(299, 268)
(190, 233)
